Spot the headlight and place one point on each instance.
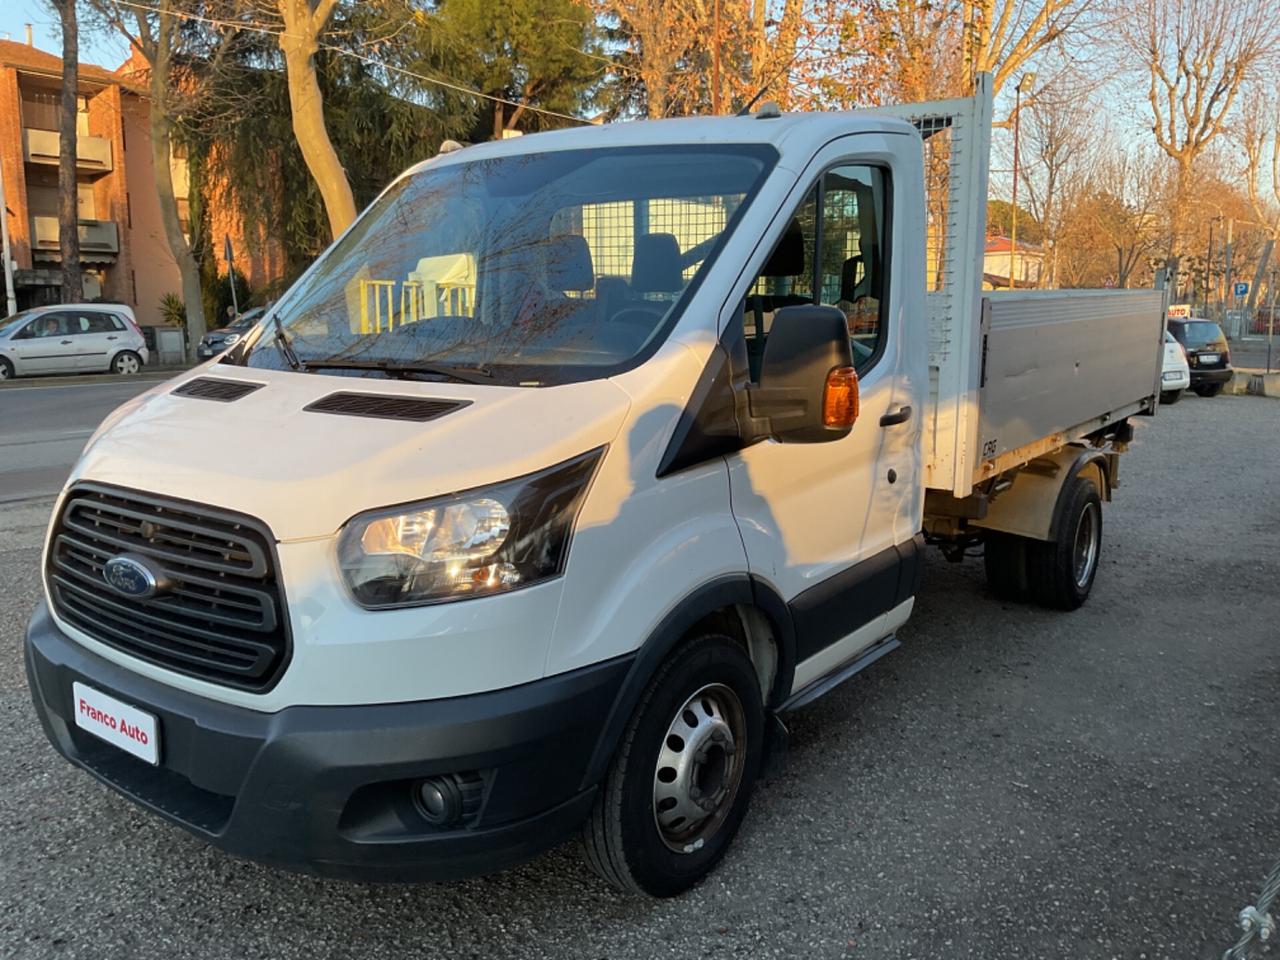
(479, 542)
(231, 340)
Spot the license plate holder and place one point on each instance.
(118, 723)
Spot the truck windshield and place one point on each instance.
(536, 269)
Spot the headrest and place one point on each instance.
(656, 266)
(787, 259)
(569, 265)
(849, 279)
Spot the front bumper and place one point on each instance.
(1175, 380)
(328, 790)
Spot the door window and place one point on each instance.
(832, 252)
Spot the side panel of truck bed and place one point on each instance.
(1058, 364)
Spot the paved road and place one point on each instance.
(1012, 783)
(44, 428)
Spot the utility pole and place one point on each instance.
(715, 57)
(1271, 319)
(1027, 80)
(1226, 267)
(11, 301)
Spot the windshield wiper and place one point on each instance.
(476, 374)
(283, 345)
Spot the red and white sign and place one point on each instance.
(119, 724)
(1179, 311)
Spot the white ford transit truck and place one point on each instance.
(565, 473)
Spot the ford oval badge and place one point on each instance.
(131, 576)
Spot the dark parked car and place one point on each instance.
(1208, 355)
(224, 338)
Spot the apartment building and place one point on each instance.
(124, 254)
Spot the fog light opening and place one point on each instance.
(438, 800)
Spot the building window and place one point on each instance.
(133, 283)
(128, 211)
(184, 214)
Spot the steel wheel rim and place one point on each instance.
(126, 364)
(4, 371)
(699, 768)
(1085, 553)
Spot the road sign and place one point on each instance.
(1240, 288)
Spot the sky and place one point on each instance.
(103, 50)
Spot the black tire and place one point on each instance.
(621, 838)
(1170, 397)
(126, 363)
(1055, 567)
(1208, 389)
(6, 369)
(1005, 558)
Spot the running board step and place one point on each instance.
(824, 685)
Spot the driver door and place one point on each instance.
(45, 345)
(821, 521)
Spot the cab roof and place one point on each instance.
(790, 133)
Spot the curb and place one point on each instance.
(1254, 383)
(147, 375)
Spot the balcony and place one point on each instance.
(99, 239)
(93, 154)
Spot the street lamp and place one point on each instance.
(1024, 85)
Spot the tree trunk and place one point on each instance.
(68, 196)
(298, 44)
(161, 136)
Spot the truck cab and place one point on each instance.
(532, 508)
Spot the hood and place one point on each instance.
(305, 473)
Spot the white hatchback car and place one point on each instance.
(72, 338)
(1175, 376)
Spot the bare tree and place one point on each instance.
(304, 22)
(1260, 134)
(68, 194)
(1003, 36)
(155, 34)
(1196, 55)
(1057, 135)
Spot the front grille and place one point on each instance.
(220, 615)
(382, 407)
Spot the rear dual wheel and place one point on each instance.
(680, 783)
(1054, 573)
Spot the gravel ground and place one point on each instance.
(1011, 783)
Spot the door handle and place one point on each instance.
(66, 343)
(113, 337)
(902, 415)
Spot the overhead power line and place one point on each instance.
(266, 30)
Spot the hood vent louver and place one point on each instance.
(382, 407)
(209, 388)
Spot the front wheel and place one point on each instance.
(680, 783)
(1062, 571)
(6, 369)
(126, 363)
(1170, 396)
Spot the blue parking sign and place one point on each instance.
(1240, 289)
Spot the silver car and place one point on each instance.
(71, 338)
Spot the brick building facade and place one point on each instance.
(124, 254)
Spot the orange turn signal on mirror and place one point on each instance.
(840, 398)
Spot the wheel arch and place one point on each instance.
(742, 606)
(1032, 507)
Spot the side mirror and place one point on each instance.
(808, 390)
